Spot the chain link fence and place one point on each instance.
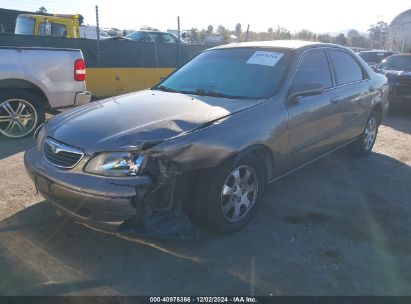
(114, 53)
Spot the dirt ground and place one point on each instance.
(341, 226)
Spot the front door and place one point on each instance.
(315, 122)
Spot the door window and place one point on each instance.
(313, 69)
(150, 38)
(345, 66)
(166, 38)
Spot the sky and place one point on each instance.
(316, 15)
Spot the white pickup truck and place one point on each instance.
(35, 80)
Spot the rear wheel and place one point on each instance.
(364, 144)
(228, 199)
(20, 113)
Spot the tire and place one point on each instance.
(225, 204)
(364, 144)
(20, 113)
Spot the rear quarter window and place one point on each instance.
(346, 68)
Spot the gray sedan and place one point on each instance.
(205, 142)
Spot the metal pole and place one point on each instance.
(246, 34)
(179, 42)
(156, 53)
(98, 37)
(178, 28)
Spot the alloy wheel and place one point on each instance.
(17, 118)
(239, 193)
(370, 133)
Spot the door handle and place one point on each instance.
(335, 100)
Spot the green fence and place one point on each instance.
(114, 53)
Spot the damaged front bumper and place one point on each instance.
(101, 202)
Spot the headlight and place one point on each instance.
(115, 164)
(40, 134)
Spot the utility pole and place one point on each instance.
(246, 34)
(98, 37)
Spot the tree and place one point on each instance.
(306, 35)
(223, 32)
(210, 29)
(325, 38)
(353, 33)
(42, 10)
(359, 41)
(238, 31)
(340, 39)
(194, 36)
(355, 39)
(281, 33)
(377, 34)
(202, 35)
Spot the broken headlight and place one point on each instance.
(115, 164)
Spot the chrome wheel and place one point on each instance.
(239, 193)
(370, 133)
(17, 118)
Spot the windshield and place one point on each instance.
(397, 63)
(373, 56)
(245, 73)
(135, 35)
(25, 25)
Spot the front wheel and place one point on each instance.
(20, 113)
(364, 144)
(229, 198)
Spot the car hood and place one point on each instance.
(397, 73)
(141, 119)
(397, 76)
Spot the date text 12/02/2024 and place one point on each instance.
(203, 300)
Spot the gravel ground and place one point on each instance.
(341, 226)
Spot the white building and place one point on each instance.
(399, 33)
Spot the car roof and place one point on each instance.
(287, 44)
(401, 55)
(375, 51)
(149, 31)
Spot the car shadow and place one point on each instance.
(9, 147)
(339, 226)
(399, 119)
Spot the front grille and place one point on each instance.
(61, 155)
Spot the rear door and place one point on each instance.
(355, 91)
(314, 121)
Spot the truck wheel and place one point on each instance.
(228, 199)
(364, 144)
(20, 113)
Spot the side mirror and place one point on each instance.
(305, 89)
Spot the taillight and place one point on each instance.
(80, 70)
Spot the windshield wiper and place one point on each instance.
(211, 93)
(164, 89)
(167, 89)
(202, 92)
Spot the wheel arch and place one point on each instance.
(379, 111)
(263, 153)
(20, 84)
